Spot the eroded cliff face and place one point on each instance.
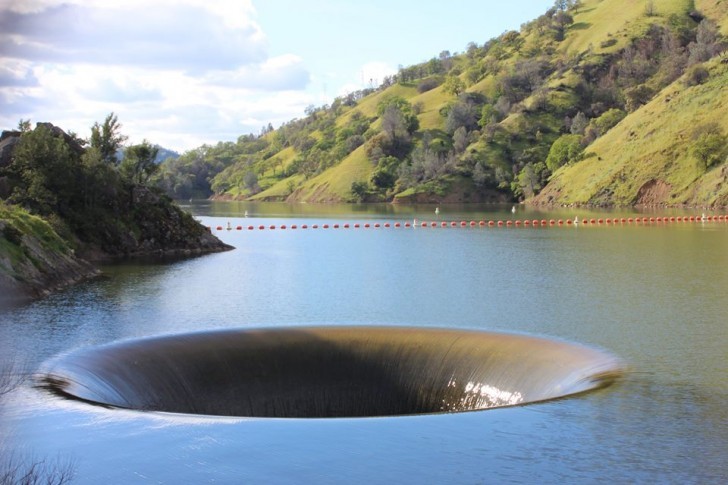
(35, 261)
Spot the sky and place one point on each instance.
(182, 73)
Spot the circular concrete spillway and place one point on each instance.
(321, 372)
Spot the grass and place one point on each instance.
(616, 20)
(18, 224)
(334, 185)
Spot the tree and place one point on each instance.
(461, 139)
(24, 126)
(710, 145)
(44, 172)
(107, 138)
(579, 123)
(359, 190)
(566, 148)
(453, 85)
(139, 162)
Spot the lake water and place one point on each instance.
(653, 294)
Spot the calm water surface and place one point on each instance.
(654, 295)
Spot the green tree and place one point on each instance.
(453, 85)
(710, 145)
(44, 172)
(24, 126)
(566, 148)
(139, 162)
(107, 138)
(359, 190)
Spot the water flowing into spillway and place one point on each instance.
(329, 372)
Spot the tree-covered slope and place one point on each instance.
(492, 123)
(63, 204)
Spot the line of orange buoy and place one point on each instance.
(492, 223)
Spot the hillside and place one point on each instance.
(644, 160)
(529, 112)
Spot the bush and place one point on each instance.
(429, 84)
(696, 75)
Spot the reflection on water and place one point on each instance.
(653, 295)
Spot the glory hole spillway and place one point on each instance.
(324, 372)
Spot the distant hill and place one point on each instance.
(594, 102)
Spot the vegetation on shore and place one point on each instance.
(500, 120)
(63, 204)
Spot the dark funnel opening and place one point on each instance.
(329, 372)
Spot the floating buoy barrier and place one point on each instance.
(535, 223)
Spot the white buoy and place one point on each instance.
(437, 210)
(246, 213)
(513, 209)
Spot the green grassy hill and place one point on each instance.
(648, 157)
(593, 102)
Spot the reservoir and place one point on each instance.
(651, 294)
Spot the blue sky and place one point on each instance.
(186, 72)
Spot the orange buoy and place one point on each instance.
(386, 224)
(219, 228)
(407, 224)
(472, 224)
(509, 223)
(283, 226)
(491, 223)
(250, 228)
(239, 228)
(560, 222)
(346, 226)
(481, 223)
(304, 226)
(569, 222)
(552, 222)
(397, 224)
(444, 224)
(261, 227)
(294, 226)
(315, 226)
(367, 226)
(272, 226)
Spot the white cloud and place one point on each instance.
(190, 37)
(179, 73)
